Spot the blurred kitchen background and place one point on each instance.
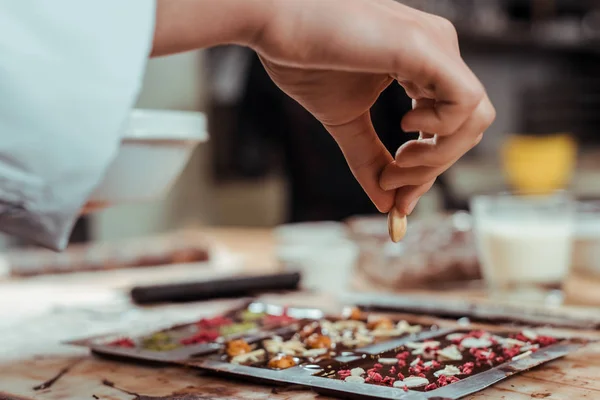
(268, 162)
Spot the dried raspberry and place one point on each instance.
(124, 342)
(201, 337)
(521, 337)
(467, 371)
(371, 371)
(375, 377)
(421, 375)
(405, 388)
(277, 320)
(216, 322)
(400, 376)
(546, 340)
(511, 352)
(499, 360)
(403, 356)
(388, 380)
(431, 386)
(344, 373)
(435, 364)
(393, 370)
(452, 379)
(442, 380)
(401, 363)
(468, 365)
(477, 334)
(378, 366)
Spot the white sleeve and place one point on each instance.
(70, 72)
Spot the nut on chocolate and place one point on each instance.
(282, 362)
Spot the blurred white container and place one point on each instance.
(586, 244)
(156, 146)
(321, 252)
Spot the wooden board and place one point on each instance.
(573, 377)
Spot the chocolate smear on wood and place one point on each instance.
(48, 384)
(173, 396)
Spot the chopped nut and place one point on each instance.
(396, 225)
(450, 370)
(316, 341)
(237, 347)
(282, 362)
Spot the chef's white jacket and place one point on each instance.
(70, 71)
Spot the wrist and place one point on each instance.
(185, 25)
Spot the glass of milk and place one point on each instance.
(586, 245)
(524, 241)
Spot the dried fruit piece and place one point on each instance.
(282, 362)
(237, 347)
(317, 341)
(381, 323)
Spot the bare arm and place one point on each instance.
(183, 25)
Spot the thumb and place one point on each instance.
(366, 156)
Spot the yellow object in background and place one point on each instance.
(539, 164)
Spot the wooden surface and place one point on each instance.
(573, 377)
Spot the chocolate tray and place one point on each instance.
(354, 355)
(312, 376)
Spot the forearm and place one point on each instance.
(183, 25)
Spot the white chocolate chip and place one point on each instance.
(405, 327)
(450, 370)
(386, 332)
(416, 361)
(253, 356)
(357, 371)
(455, 336)
(411, 382)
(428, 364)
(314, 352)
(451, 353)
(354, 379)
(509, 342)
(529, 347)
(522, 355)
(531, 335)
(474, 343)
(388, 361)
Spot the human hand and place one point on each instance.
(335, 57)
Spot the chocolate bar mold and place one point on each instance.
(311, 377)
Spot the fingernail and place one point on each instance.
(412, 206)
